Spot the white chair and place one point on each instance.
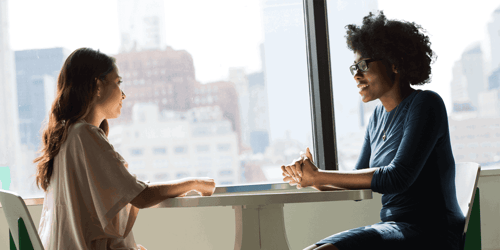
(22, 231)
(466, 179)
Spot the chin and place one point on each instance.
(365, 99)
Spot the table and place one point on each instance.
(258, 210)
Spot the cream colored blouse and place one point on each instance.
(87, 204)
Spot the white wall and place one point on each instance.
(306, 223)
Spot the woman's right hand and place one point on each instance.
(295, 169)
(204, 186)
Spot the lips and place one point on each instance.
(362, 87)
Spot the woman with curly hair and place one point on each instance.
(406, 155)
(91, 199)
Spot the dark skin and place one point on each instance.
(373, 84)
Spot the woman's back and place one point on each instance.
(87, 205)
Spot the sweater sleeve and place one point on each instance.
(364, 156)
(424, 126)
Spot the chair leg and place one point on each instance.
(12, 244)
(24, 237)
(473, 239)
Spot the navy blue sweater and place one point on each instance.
(416, 174)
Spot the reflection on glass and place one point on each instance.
(466, 74)
(226, 100)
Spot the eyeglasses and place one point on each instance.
(361, 65)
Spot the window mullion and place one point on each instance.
(320, 84)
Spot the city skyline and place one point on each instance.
(278, 60)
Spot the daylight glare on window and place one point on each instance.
(213, 89)
(466, 73)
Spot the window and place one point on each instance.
(203, 173)
(202, 148)
(225, 173)
(223, 147)
(160, 163)
(159, 151)
(170, 69)
(180, 150)
(161, 176)
(181, 175)
(136, 151)
(133, 165)
(451, 77)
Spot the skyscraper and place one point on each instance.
(142, 25)
(459, 95)
(239, 78)
(37, 71)
(9, 129)
(494, 35)
(468, 80)
(472, 63)
(258, 115)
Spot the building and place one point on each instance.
(258, 114)
(10, 151)
(494, 79)
(36, 75)
(494, 35)
(167, 78)
(239, 77)
(142, 25)
(460, 95)
(489, 103)
(476, 140)
(166, 145)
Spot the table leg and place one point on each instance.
(260, 227)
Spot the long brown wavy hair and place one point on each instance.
(76, 89)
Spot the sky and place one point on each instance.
(230, 33)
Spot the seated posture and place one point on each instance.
(406, 155)
(91, 199)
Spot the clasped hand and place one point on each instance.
(301, 172)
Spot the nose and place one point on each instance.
(358, 75)
(123, 95)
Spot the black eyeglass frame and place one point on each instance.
(354, 68)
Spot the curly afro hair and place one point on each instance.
(400, 43)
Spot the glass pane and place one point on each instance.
(465, 74)
(220, 90)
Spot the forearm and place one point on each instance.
(158, 192)
(357, 179)
(327, 188)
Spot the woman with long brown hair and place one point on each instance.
(91, 200)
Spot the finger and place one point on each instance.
(309, 155)
(299, 186)
(290, 181)
(298, 171)
(290, 171)
(283, 168)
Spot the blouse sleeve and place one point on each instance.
(111, 185)
(364, 156)
(422, 129)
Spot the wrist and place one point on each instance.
(316, 177)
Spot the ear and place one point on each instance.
(394, 69)
(99, 87)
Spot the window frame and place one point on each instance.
(321, 98)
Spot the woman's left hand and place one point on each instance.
(308, 172)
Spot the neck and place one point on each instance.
(395, 96)
(94, 118)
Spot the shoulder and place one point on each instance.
(85, 132)
(428, 97)
(428, 104)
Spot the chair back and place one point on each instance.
(466, 178)
(14, 208)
